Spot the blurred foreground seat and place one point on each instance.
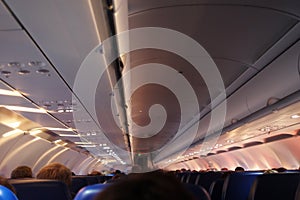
(90, 191)
(7, 194)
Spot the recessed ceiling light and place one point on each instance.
(43, 71)
(23, 72)
(83, 143)
(58, 129)
(57, 141)
(87, 145)
(295, 116)
(35, 131)
(36, 64)
(14, 64)
(68, 135)
(5, 73)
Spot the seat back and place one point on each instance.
(78, 182)
(198, 192)
(7, 194)
(215, 189)
(37, 189)
(185, 177)
(237, 185)
(206, 179)
(275, 186)
(91, 180)
(102, 179)
(194, 178)
(90, 191)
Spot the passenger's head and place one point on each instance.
(239, 169)
(95, 173)
(5, 183)
(147, 186)
(21, 172)
(56, 171)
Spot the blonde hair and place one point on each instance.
(56, 171)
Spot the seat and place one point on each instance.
(78, 182)
(194, 177)
(184, 177)
(237, 186)
(37, 189)
(102, 179)
(197, 191)
(215, 189)
(207, 178)
(7, 194)
(90, 191)
(275, 186)
(91, 180)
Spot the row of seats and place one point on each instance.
(79, 182)
(36, 189)
(248, 185)
(236, 186)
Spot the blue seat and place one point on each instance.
(91, 180)
(194, 177)
(37, 189)
(276, 186)
(237, 186)
(184, 177)
(206, 179)
(78, 182)
(197, 191)
(90, 191)
(102, 179)
(7, 194)
(215, 189)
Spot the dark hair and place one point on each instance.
(21, 172)
(146, 186)
(239, 169)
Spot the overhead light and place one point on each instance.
(57, 141)
(34, 132)
(36, 64)
(68, 135)
(42, 71)
(295, 116)
(58, 129)
(25, 109)
(10, 93)
(65, 110)
(23, 72)
(85, 145)
(13, 132)
(13, 124)
(14, 64)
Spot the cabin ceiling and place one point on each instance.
(44, 44)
